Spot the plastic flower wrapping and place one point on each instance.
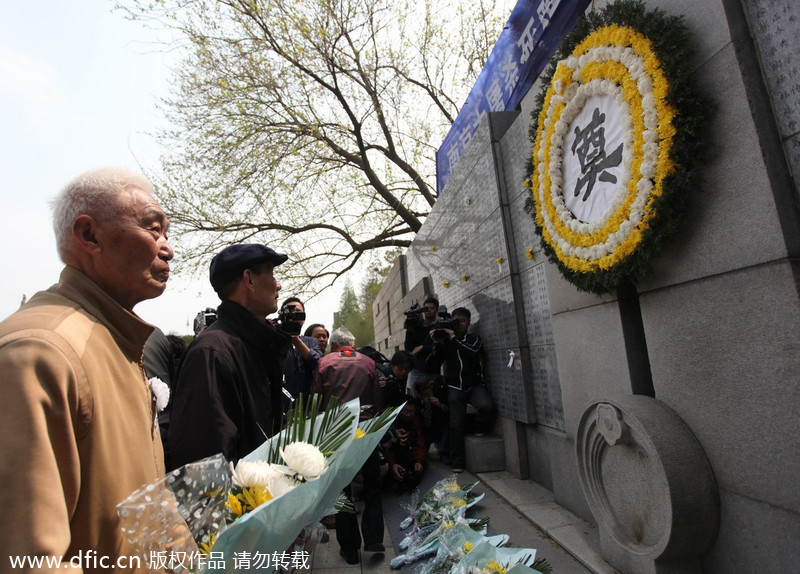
(452, 543)
(209, 515)
(435, 512)
(440, 501)
(485, 558)
(455, 543)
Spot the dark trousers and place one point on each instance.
(347, 534)
(479, 397)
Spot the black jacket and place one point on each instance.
(415, 338)
(462, 361)
(227, 394)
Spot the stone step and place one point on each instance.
(485, 453)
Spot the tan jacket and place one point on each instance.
(76, 425)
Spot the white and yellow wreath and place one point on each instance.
(603, 153)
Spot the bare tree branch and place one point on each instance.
(311, 125)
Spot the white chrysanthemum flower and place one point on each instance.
(254, 473)
(280, 484)
(262, 474)
(160, 391)
(306, 460)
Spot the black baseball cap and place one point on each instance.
(231, 261)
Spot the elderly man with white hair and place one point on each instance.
(78, 417)
(346, 374)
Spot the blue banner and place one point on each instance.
(531, 36)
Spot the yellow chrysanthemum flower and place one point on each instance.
(234, 505)
(494, 567)
(359, 433)
(468, 546)
(212, 493)
(205, 547)
(255, 496)
(643, 90)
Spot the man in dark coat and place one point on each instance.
(346, 374)
(227, 397)
(419, 344)
(301, 362)
(460, 351)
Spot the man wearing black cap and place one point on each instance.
(227, 394)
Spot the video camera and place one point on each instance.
(290, 320)
(204, 319)
(414, 317)
(444, 320)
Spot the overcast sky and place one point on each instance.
(78, 90)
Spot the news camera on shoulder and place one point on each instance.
(290, 319)
(444, 322)
(414, 318)
(420, 317)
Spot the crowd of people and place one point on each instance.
(83, 422)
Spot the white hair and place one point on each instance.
(342, 337)
(93, 193)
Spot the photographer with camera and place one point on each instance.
(204, 319)
(406, 450)
(228, 390)
(301, 361)
(417, 342)
(392, 378)
(460, 352)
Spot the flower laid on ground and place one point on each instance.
(491, 567)
(487, 558)
(442, 506)
(447, 539)
(441, 499)
(456, 544)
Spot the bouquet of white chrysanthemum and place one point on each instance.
(277, 523)
(441, 500)
(485, 558)
(429, 541)
(174, 518)
(460, 544)
(211, 515)
(455, 541)
(441, 506)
